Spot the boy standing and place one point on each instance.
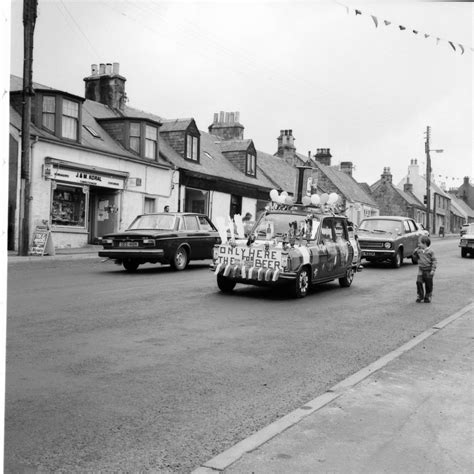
(426, 268)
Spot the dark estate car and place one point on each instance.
(295, 247)
(170, 237)
(388, 238)
(467, 241)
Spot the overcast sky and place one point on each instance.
(333, 77)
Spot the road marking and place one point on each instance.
(231, 455)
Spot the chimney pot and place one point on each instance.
(94, 69)
(290, 132)
(116, 68)
(102, 68)
(108, 68)
(216, 117)
(231, 117)
(237, 116)
(221, 116)
(227, 117)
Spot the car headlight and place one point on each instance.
(107, 241)
(387, 245)
(463, 242)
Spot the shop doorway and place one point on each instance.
(196, 201)
(103, 212)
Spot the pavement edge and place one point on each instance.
(231, 455)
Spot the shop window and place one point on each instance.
(135, 137)
(151, 142)
(192, 148)
(196, 201)
(70, 119)
(49, 112)
(149, 206)
(251, 165)
(68, 206)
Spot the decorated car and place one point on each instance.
(173, 238)
(295, 245)
(467, 241)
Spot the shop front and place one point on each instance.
(85, 202)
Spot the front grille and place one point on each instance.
(371, 245)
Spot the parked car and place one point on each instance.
(388, 238)
(467, 241)
(295, 247)
(464, 229)
(173, 238)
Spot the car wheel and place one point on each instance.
(130, 265)
(180, 259)
(397, 259)
(346, 281)
(225, 284)
(464, 253)
(300, 286)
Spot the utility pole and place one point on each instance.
(29, 21)
(428, 177)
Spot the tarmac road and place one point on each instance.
(110, 371)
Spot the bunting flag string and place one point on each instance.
(460, 47)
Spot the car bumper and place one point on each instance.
(135, 254)
(253, 275)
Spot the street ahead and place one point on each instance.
(157, 370)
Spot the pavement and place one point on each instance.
(409, 412)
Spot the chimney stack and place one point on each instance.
(226, 126)
(286, 146)
(107, 86)
(323, 156)
(386, 175)
(346, 167)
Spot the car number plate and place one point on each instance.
(369, 254)
(128, 244)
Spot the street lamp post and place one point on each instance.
(428, 178)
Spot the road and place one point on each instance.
(109, 371)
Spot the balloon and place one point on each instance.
(288, 200)
(324, 198)
(284, 193)
(273, 194)
(315, 200)
(333, 198)
(306, 200)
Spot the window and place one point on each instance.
(91, 131)
(135, 137)
(149, 205)
(70, 119)
(68, 206)
(49, 112)
(191, 223)
(412, 226)
(192, 148)
(205, 224)
(406, 226)
(251, 161)
(326, 230)
(151, 142)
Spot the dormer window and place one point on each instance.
(49, 112)
(251, 167)
(70, 119)
(61, 116)
(192, 148)
(151, 142)
(135, 137)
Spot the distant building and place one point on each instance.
(466, 192)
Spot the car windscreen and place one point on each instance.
(154, 221)
(381, 226)
(277, 225)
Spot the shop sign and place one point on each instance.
(249, 256)
(83, 177)
(42, 243)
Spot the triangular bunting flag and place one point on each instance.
(426, 35)
(401, 27)
(437, 40)
(387, 22)
(416, 32)
(375, 20)
(452, 45)
(358, 12)
(462, 48)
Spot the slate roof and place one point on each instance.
(178, 125)
(408, 197)
(346, 184)
(234, 145)
(278, 171)
(464, 208)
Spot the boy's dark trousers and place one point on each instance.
(425, 278)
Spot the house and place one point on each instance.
(440, 201)
(93, 165)
(393, 201)
(461, 213)
(466, 192)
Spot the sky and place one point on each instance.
(336, 79)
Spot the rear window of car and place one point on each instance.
(154, 221)
(204, 223)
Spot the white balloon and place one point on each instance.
(273, 194)
(284, 193)
(324, 198)
(281, 199)
(288, 200)
(315, 200)
(306, 200)
(333, 198)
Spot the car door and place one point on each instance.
(327, 251)
(344, 248)
(415, 234)
(193, 237)
(208, 234)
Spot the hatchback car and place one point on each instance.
(169, 237)
(295, 248)
(467, 241)
(388, 238)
